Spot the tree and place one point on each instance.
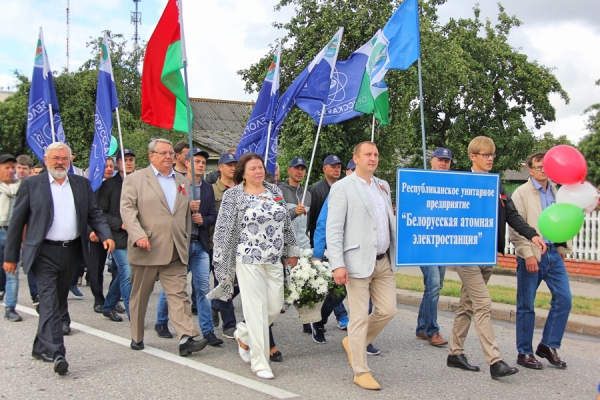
(76, 93)
(474, 84)
(548, 141)
(590, 144)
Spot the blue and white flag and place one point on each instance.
(106, 103)
(42, 104)
(343, 91)
(256, 130)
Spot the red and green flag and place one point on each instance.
(164, 100)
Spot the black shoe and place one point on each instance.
(99, 308)
(36, 300)
(137, 346)
(500, 369)
(215, 317)
(61, 366)
(551, 355)
(163, 331)
(460, 361)
(192, 346)
(113, 316)
(317, 334)
(12, 315)
(66, 330)
(212, 339)
(277, 356)
(42, 356)
(306, 328)
(120, 309)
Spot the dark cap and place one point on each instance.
(6, 158)
(298, 161)
(351, 165)
(227, 158)
(197, 152)
(127, 151)
(442, 152)
(332, 160)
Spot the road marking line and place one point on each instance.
(207, 369)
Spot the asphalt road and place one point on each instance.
(102, 366)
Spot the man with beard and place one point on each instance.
(55, 240)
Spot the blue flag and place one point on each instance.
(106, 103)
(343, 91)
(42, 105)
(402, 33)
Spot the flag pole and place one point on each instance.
(312, 157)
(373, 128)
(121, 143)
(268, 144)
(187, 97)
(422, 117)
(52, 122)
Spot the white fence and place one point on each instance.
(586, 245)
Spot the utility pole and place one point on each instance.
(136, 19)
(67, 36)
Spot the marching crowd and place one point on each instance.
(168, 220)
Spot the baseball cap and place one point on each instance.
(351, 165)
(298, 161)
(332, 160)
(227, 158)
(127, 151)
(442, 152)
(197, 152)
(6, 158)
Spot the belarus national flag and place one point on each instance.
(106, 103)
(41, 96)
(164, 100)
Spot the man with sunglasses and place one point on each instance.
(531, 199)
(475, 300)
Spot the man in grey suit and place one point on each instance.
(57, 207)
(361, 237)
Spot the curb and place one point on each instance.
(577, 323)
(572, 277)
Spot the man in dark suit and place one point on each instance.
(54, 242)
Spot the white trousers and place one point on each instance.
(261, 288)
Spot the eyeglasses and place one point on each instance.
(538, 168)
(57, 159)
(165, 153)
(486, 155)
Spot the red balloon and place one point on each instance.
(565, 165)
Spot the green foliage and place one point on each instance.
(548, 141)
(590, 144)
(474, 84)
(76, 93)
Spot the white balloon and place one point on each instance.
(583, 195)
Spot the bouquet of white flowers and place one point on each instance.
(308, 284)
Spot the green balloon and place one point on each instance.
(114, 145)
(560, 222)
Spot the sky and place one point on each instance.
(224, 36)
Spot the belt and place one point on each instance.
(380, 256)
(62, 243)
(194, 238)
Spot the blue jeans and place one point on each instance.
(340, 311)
(226, 308)
(552, 270)
(199, 265)
(120, 287)
(433, 278)
(12, 280)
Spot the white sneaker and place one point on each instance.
(244, 354)
(264, 374)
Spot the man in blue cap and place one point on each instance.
(433, 277)
(293, 191)
(332, 168)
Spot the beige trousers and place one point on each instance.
(475, 302)
(261, 288)
(363, 328)
(173, 278)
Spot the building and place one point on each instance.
(4, 94)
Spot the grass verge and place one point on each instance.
(501, 294)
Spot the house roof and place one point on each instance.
(219, 124)
(512, 175)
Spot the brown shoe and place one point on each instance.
(437, 340)
(551, 355)
(366, 381)
(347, 348)
(421, 336)
(528, 361)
